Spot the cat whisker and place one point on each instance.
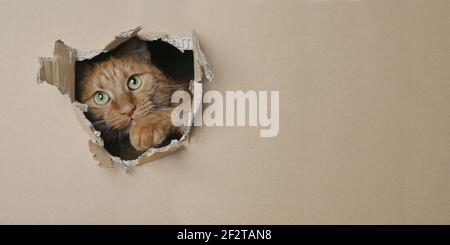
(107, 132)
(99, 122)
(120, 138)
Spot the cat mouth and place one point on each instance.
(131, 122)
(127, 124)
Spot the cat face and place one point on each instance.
(128, 99)
(123, 87)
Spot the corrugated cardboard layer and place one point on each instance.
(59, 71)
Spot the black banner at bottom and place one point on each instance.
(224, 233)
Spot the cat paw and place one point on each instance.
(141, 138)
(149, 132)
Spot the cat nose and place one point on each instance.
(127, 109)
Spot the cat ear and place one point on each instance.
(134, 48)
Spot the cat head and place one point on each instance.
(122, 86)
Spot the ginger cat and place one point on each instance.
(128, 98)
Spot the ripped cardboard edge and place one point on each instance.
(59, 71)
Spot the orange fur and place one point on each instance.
(140, 117)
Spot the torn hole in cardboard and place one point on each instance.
(178, 57)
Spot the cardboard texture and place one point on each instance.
(59, 71)
(364, 116)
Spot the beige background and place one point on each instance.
(365, 116)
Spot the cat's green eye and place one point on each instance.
(134, 82)
(101, 98)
